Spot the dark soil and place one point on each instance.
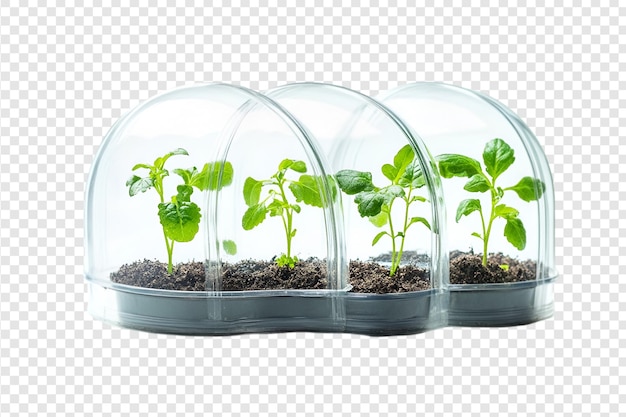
(370, 277)
(365, 277)
(467, 268)
(153, 274)
(266, 275)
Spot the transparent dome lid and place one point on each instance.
(388, 183)
(209, 180)
(496, 179)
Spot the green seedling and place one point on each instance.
(180, 217)
(277, 204)
(376, 203)
(498, 156)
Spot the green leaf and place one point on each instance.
(418, 198)
(403, 158)
(254, 216)
(198, 179)
(505, 211)
(529, 189)
(392, 192)
(412, 176)
(136, 167)
(284, 164)
(298, 166)
(138, 185)
(419, 220)
(230, 247)
(284, 260)
(515, 232)
(380, 219)
(390, 172)
(252, 191)
(179, 151)
(467, 207)
(276, 208)
(332, 186)
(186, 174)
(498, 156)
(477, 184)
(453, 165)
(477, 235)
(180, 220)
(159, 174)
(369, 203)
(227, 174)
(159, 162)
(378, 236)
(353, 182)
(296, 208)
(184, 193)
(209, 177)
(306, 189)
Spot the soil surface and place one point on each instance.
(153, 274)
(266, 275)
(365, 277)
(467, 268)
(371, 277)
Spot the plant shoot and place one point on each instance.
(270, 196)
(498, 156)
(179, 216)
(376, 203)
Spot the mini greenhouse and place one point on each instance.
(500, 203)
(392, 207)
(214, 210)
(170, 212)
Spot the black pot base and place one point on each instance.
(498, 305)
(187, 313)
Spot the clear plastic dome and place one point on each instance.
(391, 198)
(198, 203)
(499, 194)
(217, 210)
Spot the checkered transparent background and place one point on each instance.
(67, 73)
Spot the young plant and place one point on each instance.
(376, 203)
(276, 202)
(180, 217)
(498, 156)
